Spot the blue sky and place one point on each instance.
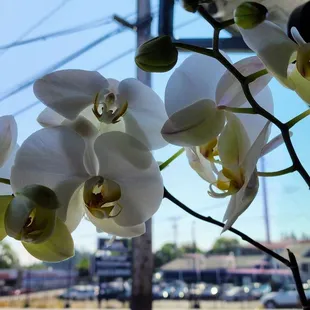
(288, 195)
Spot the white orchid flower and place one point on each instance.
(278, 52)
(8, 137)
(128, 105)
(195, 91)
(228, 162)
(115, 181)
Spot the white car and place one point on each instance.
(79, 292)
(285, 298)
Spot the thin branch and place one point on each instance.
(220, 224)
(5, 181)
(276, 173)
(297, 119)
(298, 282)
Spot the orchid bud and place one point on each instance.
(157, 55)
(250, 14)
(190, 5)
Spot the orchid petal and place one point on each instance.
(200, 164)
(76, 209)
(145, 114)
(195, 125)
(127, 162)
(4, 203)
(57, 248)
(302, 85)
(50, 118)
(233, 143)
(89, 132)
(229, 91)
(273, 144)
(244, 197)
(69, 92)
(241, 201)
(5, 172)
(113, 85)
(111, 227)
(52, 157)
(254, 123)
(276, 50)
(8, 137)
(195, 79)
(254, 153)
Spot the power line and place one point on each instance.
(105, 64)
(101, 66)
(62, 62)
(82, 27)
(36, 25)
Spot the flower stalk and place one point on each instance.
(171, 159)
(276, 173)
(5, 181)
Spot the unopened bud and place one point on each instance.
(190, 5)
(250, 14)
(157, 55)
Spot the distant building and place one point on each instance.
(243, 265)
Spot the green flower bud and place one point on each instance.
(250, 14)
(190, 5)
(41, 196)
(157, 55)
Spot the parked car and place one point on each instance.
(79, 293)
(211, 292)
(237, 293)
(258, 292)
(286, 297)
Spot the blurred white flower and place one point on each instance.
(128, 105)
(114, 180)
(287, 61)
(8, 137)
(197, 89)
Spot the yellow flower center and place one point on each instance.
(111, 111)
(303, 60)
(209, 150)
(101, 197)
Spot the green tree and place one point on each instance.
(224, 245)
(167, 253)
(190, 248)
(8, 258)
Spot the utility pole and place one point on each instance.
(142, 264)
(265, 202)
(175, 220)
(194, 236)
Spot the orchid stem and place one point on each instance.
(277, 173)
(237, 110)
(252, 77)
(171, 159)
(196, 49)
(5, 181)
(298, 118)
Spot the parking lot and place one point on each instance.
(157, 305)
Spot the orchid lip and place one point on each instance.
(111, 112)
(101, 197)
